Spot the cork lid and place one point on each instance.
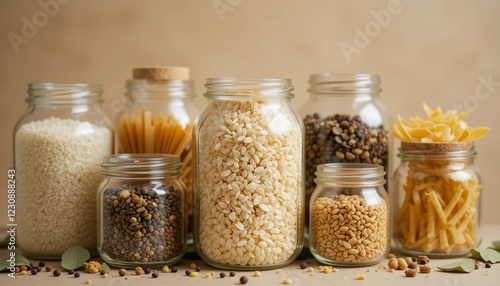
(161, 73)
(437, 147)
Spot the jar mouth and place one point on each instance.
(152, 166)
(141, 88)
(437, 150)
(344, 84)
(350, 174)
(64, 93)
(231, 88)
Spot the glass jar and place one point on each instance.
(59, 143)
(437, 199)
(349, 215)
(159, 118)
(248, 175)
(345, 122)
(141, 203)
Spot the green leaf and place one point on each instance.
(487, 255)
(496, 245)
(105, 267)
(74, 257)
(462, 266)
(19, 260)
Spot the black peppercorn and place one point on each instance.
(56, 273)
(198, 268)
(34, 271)
(222, 275)
(77, 274)
(232, 274)
(173, 269)
(71, 271)
(243, 280)
(303, 265)
(41, 263)
(487, 265)
(155, 274)
(188, 272)
(147, 270)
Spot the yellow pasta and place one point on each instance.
(438, 212)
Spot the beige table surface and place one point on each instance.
(345, 276)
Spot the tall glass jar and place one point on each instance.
(59, 143)
(249, 175)
(436, 199)
(142, 219)
(350, 215)
(345, 122)
(159, 117)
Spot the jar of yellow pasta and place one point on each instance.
(437, 199)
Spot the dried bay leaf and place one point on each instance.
(489, 255)
(105, 267)
(19, 261)
(496, 245)
(462, 266)
(74, 257)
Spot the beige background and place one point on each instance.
(442, 52)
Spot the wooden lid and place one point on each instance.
(161, 73)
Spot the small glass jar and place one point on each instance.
(59, 143)
(141, 203)
(349, 215)
(437, 199)
(159, 118)
(249, 175)
(345, 122)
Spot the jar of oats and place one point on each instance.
(345, 122)
(142, 216)
(59, 143)
(249, 175)
(159, 116)
(349, 215)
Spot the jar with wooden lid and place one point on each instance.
(249, 175)
(349, 215)
(437, 199)
(159, 117)
(141, 206)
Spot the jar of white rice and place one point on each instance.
(59, 144)
(249, 175)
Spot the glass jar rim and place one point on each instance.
(233, 88)
(64, 93)
(139, 165)
(176, 88)
(350, 174)
(344, 84)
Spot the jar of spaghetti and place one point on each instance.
(159, 117)
(437, 199)
(249, 175)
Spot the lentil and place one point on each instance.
(342, 138)
(249, 183)
(142, 223)
(243, 280)
(338, 235)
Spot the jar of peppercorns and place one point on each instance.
(345, 122)
(142, 211)
(349, 215)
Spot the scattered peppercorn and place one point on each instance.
(138, 271)
(423, 259)
(71, 271)
(414, 259)
(222, 275)
(56, 273)
(41, 263)
(77, 274)
(412, 265)
(122, 272)
(88, 281)
(16, 269)
(105, 275)
(101, 273)
(232, 274)
(38, 268)
(487, 265)
(303, 265)
(243, 280)
(23, 268)
(155, 274)
(48, 268)
(147, 271)
(34, 271)
(31, 265)
(198, 268)
(188, 272)
(173, 269)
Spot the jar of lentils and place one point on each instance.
(142, 216)
(349, 215)
(249, 175)
(345, 122)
